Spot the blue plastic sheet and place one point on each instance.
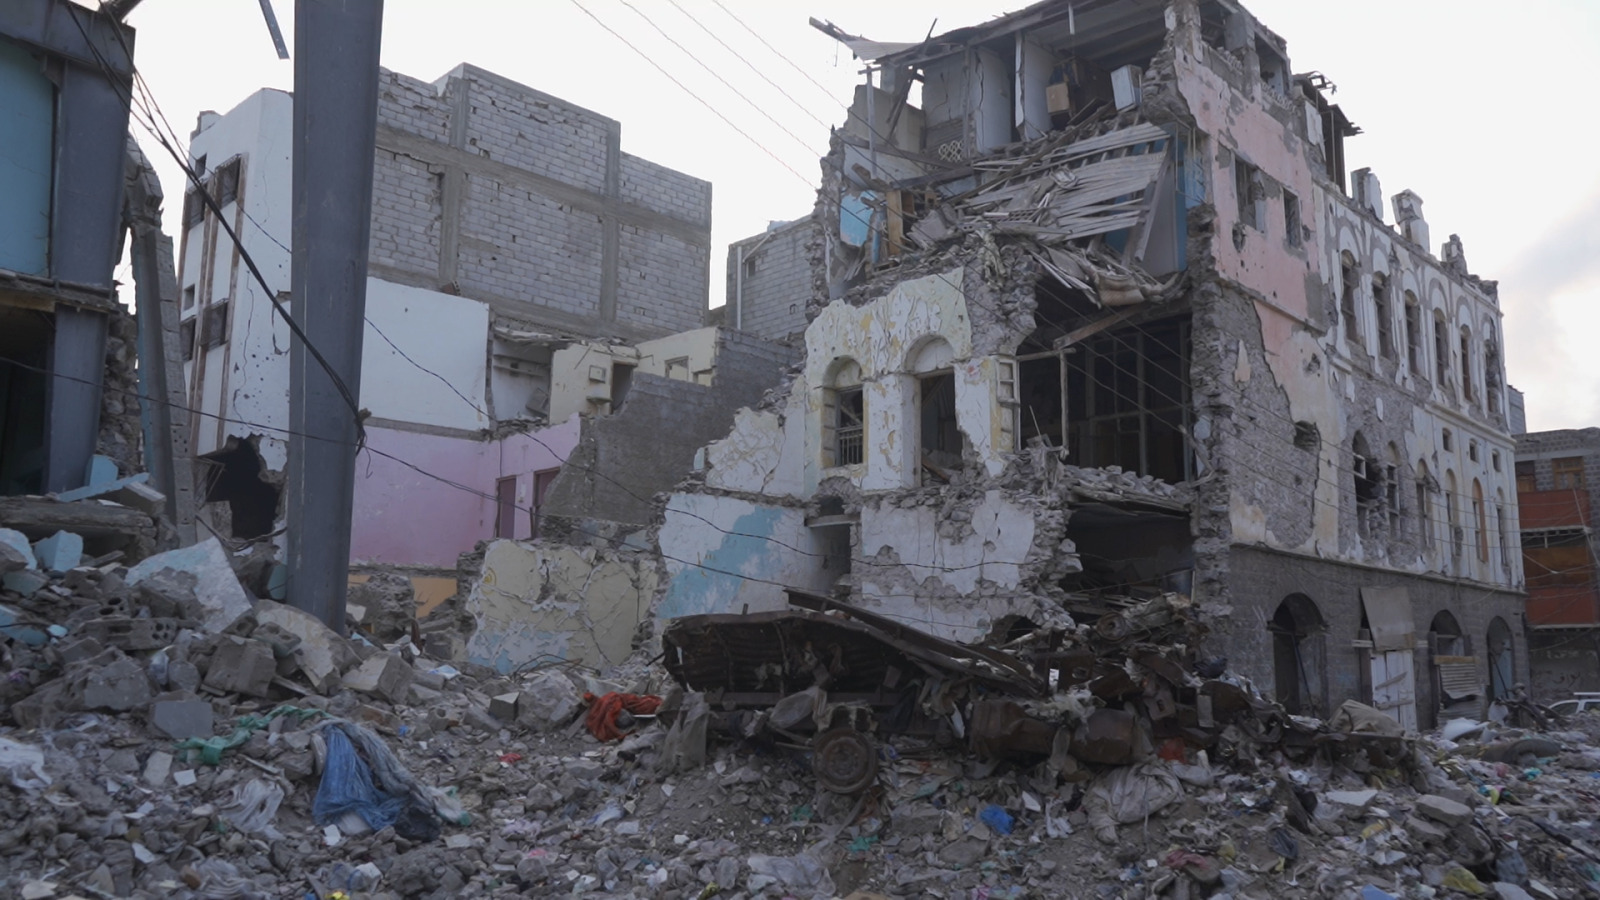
(996, 818)
(347, 786)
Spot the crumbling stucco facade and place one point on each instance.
(1098, 317)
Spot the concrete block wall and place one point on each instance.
(1542, 448)
(511, 196)
(777, 281)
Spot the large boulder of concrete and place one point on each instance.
(222, 599)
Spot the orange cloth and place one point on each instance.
(602, 718)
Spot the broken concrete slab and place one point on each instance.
(548, 700)
(140, 496)
(383, 675)
(322, 654)
(26, 582)
(16, 553)
(102, 489)
(242, 667)
(59, 553)
(120, 686)
(182, 718)
(217, 588)
(1351, 802)
(157, 767)
(130, 633)
(1443, 810)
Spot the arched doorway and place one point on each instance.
(1298, 655)
(1502, 659)
(1456, 687)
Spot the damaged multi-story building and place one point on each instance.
(1096, 313)
(535, 293)
(1558, 493)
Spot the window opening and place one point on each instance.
(1491, 374)
(1291, 219)
(621, 382)
(849, 427)
(941, 446)
(1472, 450)
(1249, 190)
(1380, 311)
(1130, 400)
(1447, 440)
(1425, 488)
(234, 478)
(1347, 299)
(1526, 478)
(1413, 333)
(1441, 351)
(1043, 402)
(1480, 520)
(1466, 365)
(1567, 473)
(678, 369)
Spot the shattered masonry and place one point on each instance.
(1147, 334)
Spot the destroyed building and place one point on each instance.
(527, 278)
(1098, 312)
(1558, 492)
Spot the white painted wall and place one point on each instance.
(442, 333)
(580, 374)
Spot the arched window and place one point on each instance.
(1299, 655)
(1502, 662)
(1452, 515)
(1414, 334)
(1382, 315)
(941, 443)
(1347, 297)
(1441, 351)
(1467, 387)
(1500, 533)
(1491, 373)
(1480, 515)
(1426, 488)
(844, 419)
(1367, 471)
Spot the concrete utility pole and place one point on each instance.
(335, 127)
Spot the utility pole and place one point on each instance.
(335, 127)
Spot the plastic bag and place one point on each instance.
(254, 806)
(803, 872)
(1130, 794)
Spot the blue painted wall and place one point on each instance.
(27, 129)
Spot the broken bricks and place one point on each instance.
(241, 666)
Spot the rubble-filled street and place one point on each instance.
(167, 737)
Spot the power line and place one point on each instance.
(760, 73)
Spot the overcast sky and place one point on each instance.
(1482, 108)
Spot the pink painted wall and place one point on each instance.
(406, 518)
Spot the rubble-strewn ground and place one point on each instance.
(98, 797)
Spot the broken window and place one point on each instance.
(1480, 520)
(1452, 515)
(679, 369)
(843, 416)
(1291, 219)
(186, 338)
(1380, 312)
(1567, 473)
(1129, 393)
(1441, 351)
(214, 325)
(1347, 298)
(1413, 333)
(941, 446)
(188, 297)
(194, 208)
(1307, 436)
(1425, 489)
(1447, 440)
(1491, 374)
(1466, 365)
(1391, 491)
(1368, 474)
(1249, 190)
(1274, 68)
(227, 183)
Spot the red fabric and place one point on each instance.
(602, 718)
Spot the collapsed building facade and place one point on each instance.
(1098, 314)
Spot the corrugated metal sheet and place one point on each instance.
(1459, 680)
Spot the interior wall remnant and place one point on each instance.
(25, 338)
(541, 602)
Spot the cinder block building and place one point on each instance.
(1558, 491)
(525, 275)
(1096, 312)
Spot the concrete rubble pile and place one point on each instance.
(164, 734)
